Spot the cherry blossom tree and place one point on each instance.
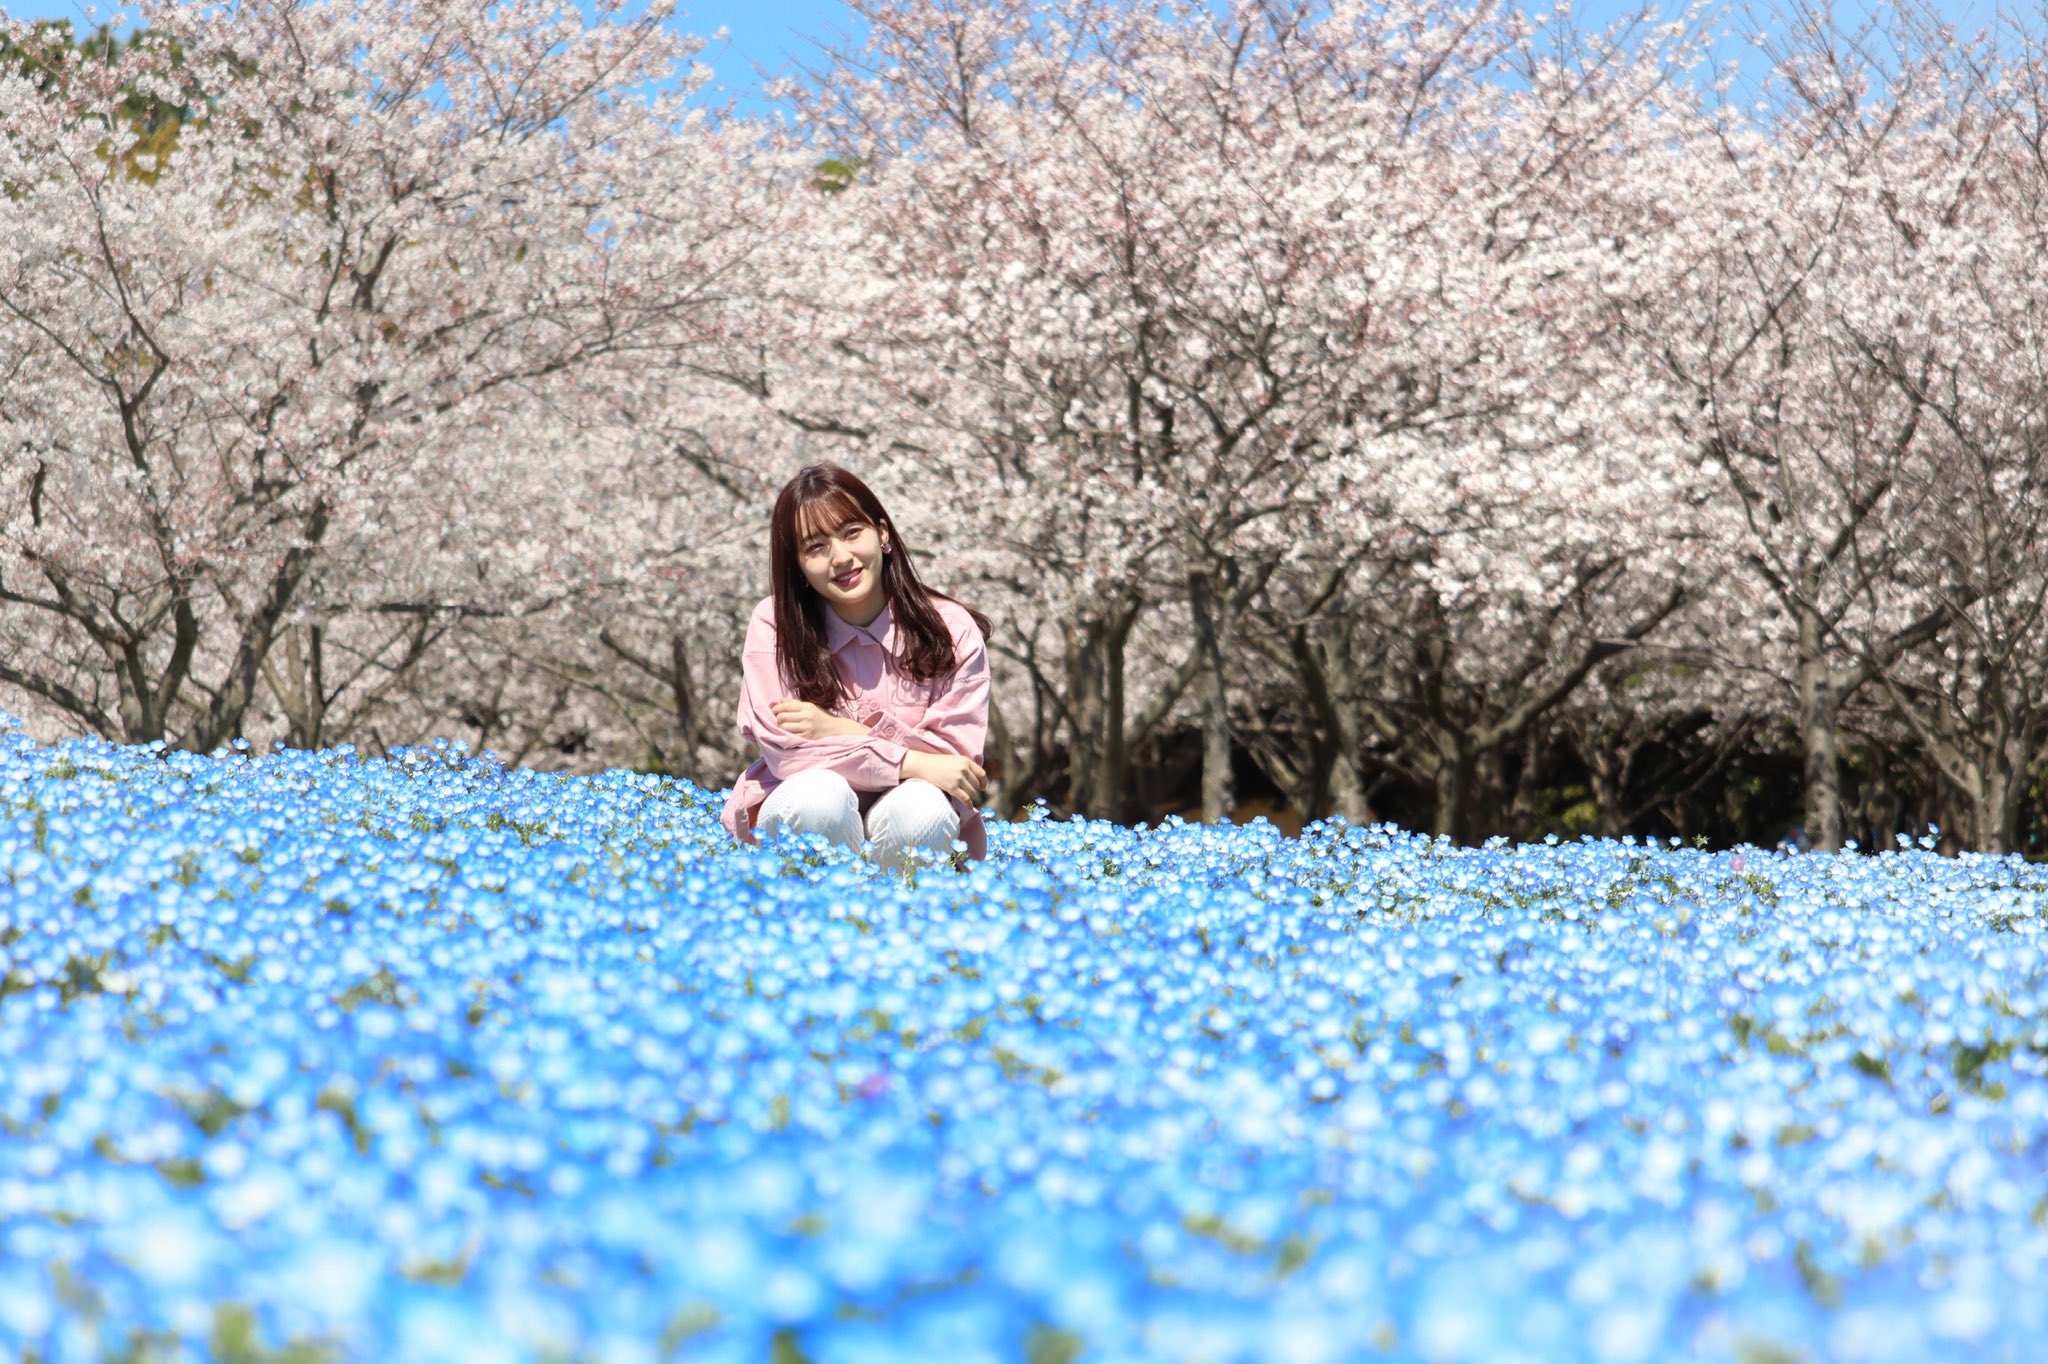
(288, 398)
(1139, 285)
(1535, 517)
(1824, 460)
(1959, 333)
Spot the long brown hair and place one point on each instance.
(828, 495)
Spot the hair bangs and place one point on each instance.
(831, 508)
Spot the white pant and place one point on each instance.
(913, 815)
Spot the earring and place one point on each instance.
(886, 546)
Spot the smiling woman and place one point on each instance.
(865, 690)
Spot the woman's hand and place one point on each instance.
(807, 721)
(960, 778)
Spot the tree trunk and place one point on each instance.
(1528, 781)
(1456, 778)
(1997, 812)
(223, 719)
(1607, 770)
(145, 702)
(1822, 773)
(1018, 762)
(1280, 752)
(1098, 755)
(298, 684)
(1021, 759)
(2002, 761)
(1348, 790)
(1084, 711)
(1298, 747)
(1212, 620)
(1820, 704)
(683, 695)
(1001, 762)
(1116, 754)
(1883, 807)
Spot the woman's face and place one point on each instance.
(843, 564)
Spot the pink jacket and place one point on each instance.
(949, 715)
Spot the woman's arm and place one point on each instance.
(869, 763)
(945, 748)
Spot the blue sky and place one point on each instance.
(765, 34)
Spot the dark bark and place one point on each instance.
(223, 718)
(1210, 604)
(1022, 761)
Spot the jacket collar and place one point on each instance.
(881, 630)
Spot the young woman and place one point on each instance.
(866, 691)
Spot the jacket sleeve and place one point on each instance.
(870, 763)
(957, 720)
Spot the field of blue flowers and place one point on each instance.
(316, 1057)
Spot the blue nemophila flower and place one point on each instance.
(384, 1055)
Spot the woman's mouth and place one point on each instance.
(848, 579)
